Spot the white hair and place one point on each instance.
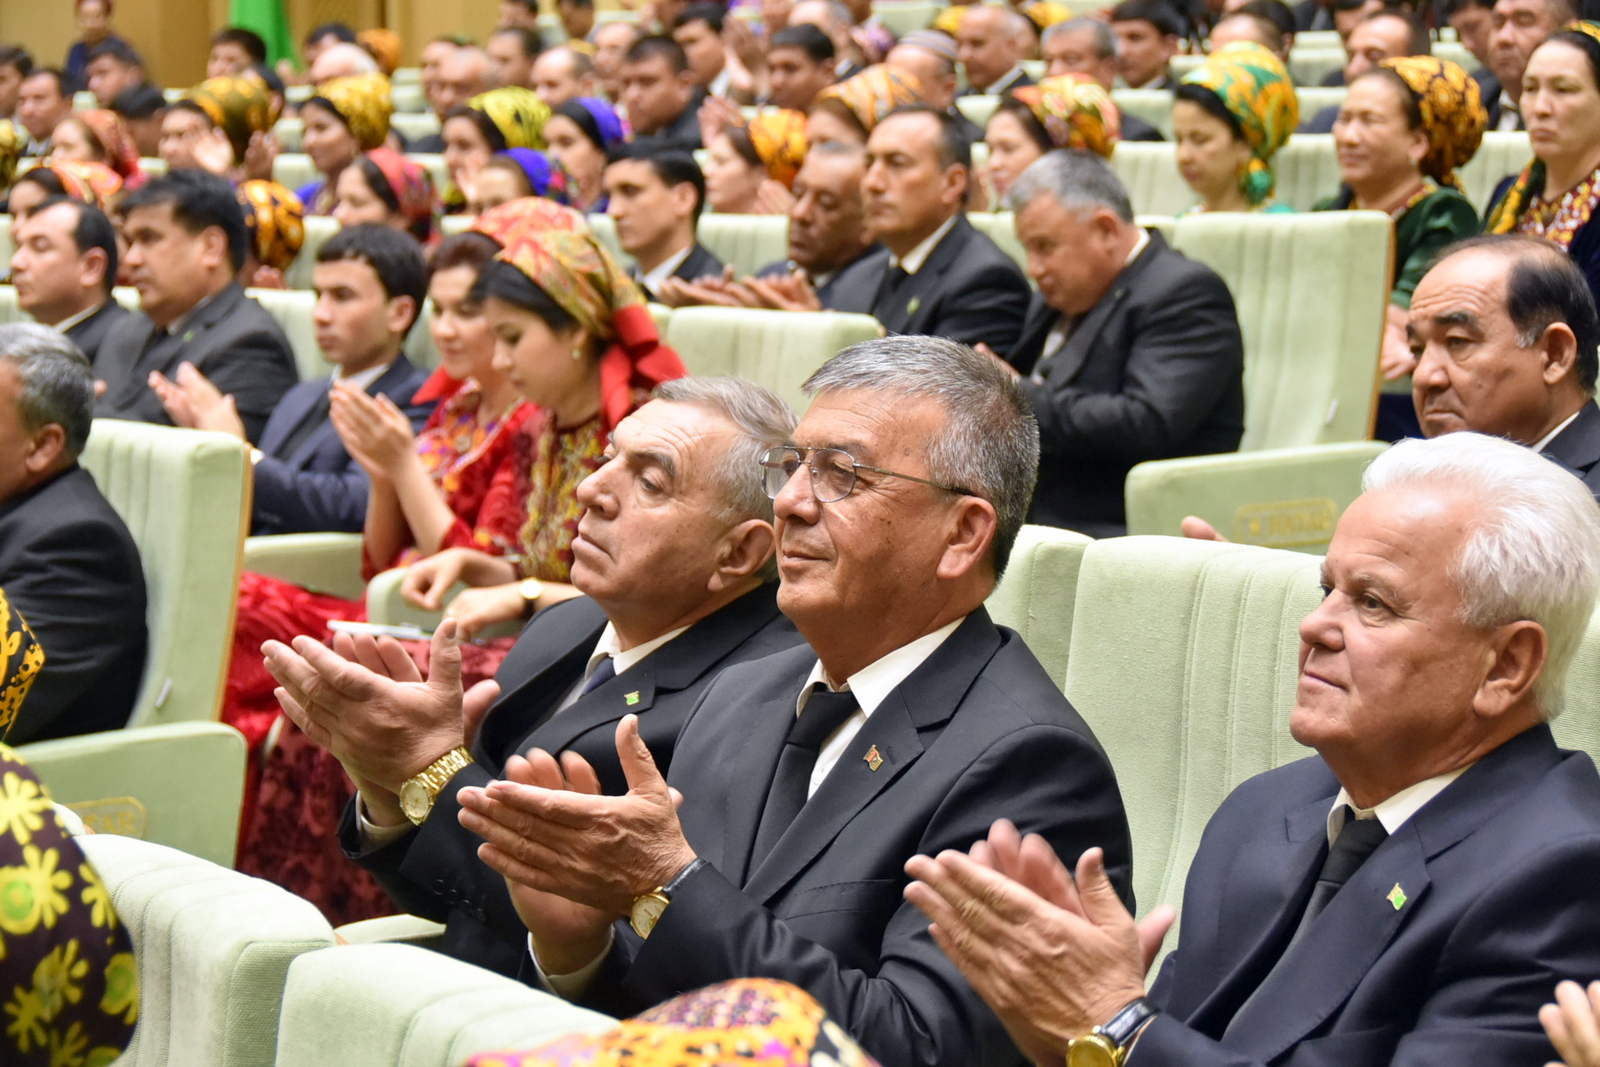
(1534, 552)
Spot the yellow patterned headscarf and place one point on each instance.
(1255, 87)
(363, 102)
(779, 138)
(275, 218)
(517, 113)
(21, 659)
(577, 271)
(873, 93)
(1075, 111)
(1046, 13)
(12, 142)
(237, 104)
(1453, 115)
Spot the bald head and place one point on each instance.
(463, 74)
(562, 74)
(935, 73)
(342, 60)
(1251, 28)
(990, 44)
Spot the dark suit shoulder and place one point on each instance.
(700, 263)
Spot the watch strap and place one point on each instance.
(441, 770)
(1126, 1024)
(681, 877)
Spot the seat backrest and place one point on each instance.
(777, 349)
(289, 131)
(1149, 171)
(1184, 661)
(1313, 98)
(1036, 594)
(1578, 725)
(9, 309)
(1457, 53)
(1499, 156)
(7, 247)
(1308, 66)
(1279, 498)
(213, 948)
(1307, 170)
(293, 308)
(414, 126)
(1311, 291)
(1001, 228)
(978, 107)
(185, 497)
(293, 169)
(319, 229)
(903, 16)
(747, 242)
(1152, 105)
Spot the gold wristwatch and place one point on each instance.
(648, 907)
(418, 795)
(1108, 1045)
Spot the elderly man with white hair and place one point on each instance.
(1408, 896)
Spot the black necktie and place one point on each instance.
(1358, 840)
(602, 674)
(825, 712)
(315, 416)
(892, 280)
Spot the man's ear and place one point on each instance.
(402, 313)
(46, 446)
(215, 247)
(1560, 352)
(744, 550)
(684, 195)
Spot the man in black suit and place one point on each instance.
(907, 723)
(661, 97)
(931, 57)
(1384, 34)
(186, 242)
(1412, 893)
(991, 44)
(942, 278)
(1130, 351)
(64, 267)
(1506, 331)
(67, 562)
(370, 282)
(1149, 33)
(675, 594)
(655, 199)
(1087, 46)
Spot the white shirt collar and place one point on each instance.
(610, 645)
(72, 320)
(1398, 809)
(652, 280)
(362, 379)
(872, 683)
(1002, 83)
(1138, 246)
(721, 83)
(915, 258)
(1543, 441)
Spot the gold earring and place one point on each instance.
(577, 354)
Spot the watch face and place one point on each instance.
(647, 912)
(415, 801)
(1091, 1051)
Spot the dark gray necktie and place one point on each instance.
(1358, 840)
(825, 712)
(602, 674)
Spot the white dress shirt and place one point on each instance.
(362, 379)
(72, 320)
(653, 279)
(915, 258)
(1397, 810)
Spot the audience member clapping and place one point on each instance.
(851, 109)
(515, 174)
(274, 220)
(753, 165)
(1573, 1024)
(486, 124)
(655, 200)
(223, 125)
(384, 188)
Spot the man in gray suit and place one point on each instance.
(186, 242)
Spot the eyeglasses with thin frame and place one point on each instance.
(833, 472)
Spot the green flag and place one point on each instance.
(267, 18)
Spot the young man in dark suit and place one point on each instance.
(186, 242)
(907, 724)
(675, 554)
(370, 282)
(67, 562)
(64, 267)
(655, 198)
(1411, 894)
(1130, 351)
(661, 97)
(942, 277)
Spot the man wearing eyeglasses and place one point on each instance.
(907, 725)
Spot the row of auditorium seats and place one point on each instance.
(239, 973)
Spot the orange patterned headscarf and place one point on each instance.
(577, 272)
(116, 143)
(12, 141)
(363, 103)
(1453, 115)
(873, 93)
(92, 183)
(529, 216)
(275, 218)
(779, 138)
(238, 104)
(384, 46)
(1075, 112)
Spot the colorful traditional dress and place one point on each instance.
(1566, 221)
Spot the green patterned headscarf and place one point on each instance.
(1253, 85)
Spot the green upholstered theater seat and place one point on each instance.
(1498, 157)
(9, 311)
(777, 349)
(293, 309)
(1279, 498)
(408, 100)
(1313, 98)
(319, 228)
(1152, 105)
(213, 948)
(1457, 53)
(1307, 169)
(1308, 66)
(185, 497)
(289, 132)
(179, 784)
(1001, 228)
(388, 1005)
(1184, 661)
(1311, 291)
(978, 107)
(293, 169)
(1578, 725)
(7, 246)
(903, 16)
(1149, 172)
(321, 562)
(746, 242)
(1036, 594)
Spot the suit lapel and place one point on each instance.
(1578, 446)
(902, 310)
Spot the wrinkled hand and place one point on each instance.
(1053, 964)
(714, 290)
(260, 155)
(428, 580)
(268, 278)
(384, 729)
(475, 610)
(791, 292)
(214, 152)
(1198, 529)
(373, 428)
(192, 401)
(1573, 1024)
(598, 850)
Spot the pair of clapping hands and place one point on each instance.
(790, 292)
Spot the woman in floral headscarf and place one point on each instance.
(1403, 129)
(1066, 111)
(347, 116)
(92, 183)
(580, 134)
(99, 136)
(239, 105)
(275, 220)
(386, 188)
(1229, 118)
(488, 123)
(1558, 192)
(848, 111)
(753, 166)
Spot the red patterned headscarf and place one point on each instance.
(410, 183)
(116, 144)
